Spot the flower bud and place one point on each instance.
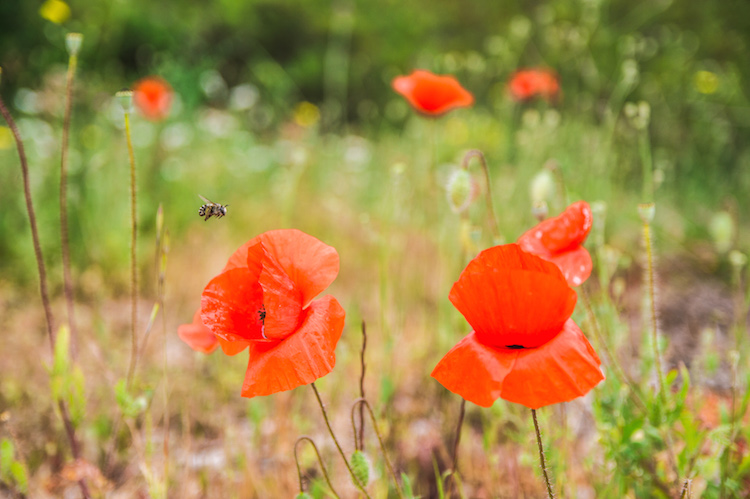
(647, 211)
(303, 495)
(462, 190)
(540, 210)
(73, 43)
(542, 186)
(361, 467)
(125, 98)
(721, 227)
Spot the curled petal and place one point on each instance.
(562, 369)
(575, 265)
(232, 348)
(432, 94)
(231, 305)
(311, 264)
(299, 359)
(197, 336)
(500, 292)
(564, 232)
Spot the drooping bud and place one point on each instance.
(647, 211)
(73, 43)
(462, 190)
(125, 97)
(361, 467)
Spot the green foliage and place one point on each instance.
(12, 472)
(130, 406)
(407, 487)
(67, 380)
(360, 467)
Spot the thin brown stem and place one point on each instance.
(133, 257)
(69, 428)
(360, 442)
(320, 462)
(64, 239)
(541, 456)
(476, 153)
(685, 494)
(652, 305)
(336, 441)
(362, 404)
(456, 441)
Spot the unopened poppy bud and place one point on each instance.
(542, 186)
(721, 228)
(540, 210)
(73, 43)
(646, 211)
(303, 495)
(738, 259)
(361, 467)
(462, 190)
(125, 97)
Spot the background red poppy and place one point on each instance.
(153, 96)
(432, 94)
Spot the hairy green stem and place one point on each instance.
(336, 441)
(69, 428)
(541, 456)
(362, 404)
(494, 225)
(320, 462)
(64, 239)
(133, 258)
(359, 443)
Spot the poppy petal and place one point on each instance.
(310, 263)
(475, 371)
(575, 265)
(432, 94)
(562, 369)
(499, 294)
(282, 300)
(299, 359)
(561, 233)
(230, 306)
(232, 348)
(241, 255)
(197, 336)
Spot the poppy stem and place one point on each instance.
(359, 443)
(320, 462)
(335, 440)
(541, 456)
(646, 211)
(456, 441)
(133, 257)
(69, 428)
(362, 404)
(494, 225)
(686, 489)
(64, 239)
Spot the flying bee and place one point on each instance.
(211, 209)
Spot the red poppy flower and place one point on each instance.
(432, 94)
(263, 299)
(152, 96)
(560, 239)
(197, 336)
(529, 83)
(524, 347)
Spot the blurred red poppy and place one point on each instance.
(529, 83)
(524, 347)
(432, 94)
(263, 299)
(197, 336)
(560, 241)
(152, 96)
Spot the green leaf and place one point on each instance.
(6, 457)
(20, 477)
(406, 486)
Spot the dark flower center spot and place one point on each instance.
(515, 347)
(262, 314)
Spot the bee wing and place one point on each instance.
(205, 200)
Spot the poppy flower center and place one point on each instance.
(262, 314)
(515, 347)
